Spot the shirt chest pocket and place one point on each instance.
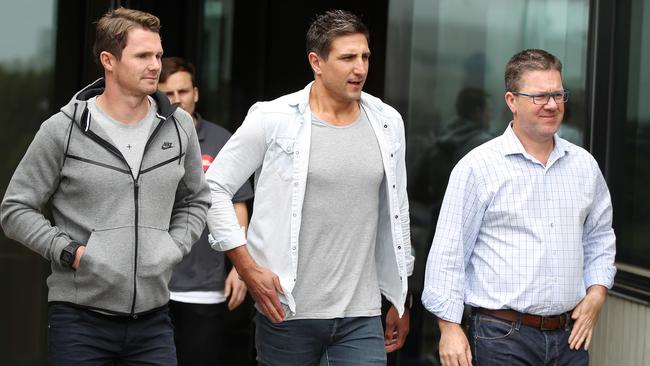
(280, 157)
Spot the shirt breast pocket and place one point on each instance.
(280, 157)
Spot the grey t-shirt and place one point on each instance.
(130, 139)
(337, 274)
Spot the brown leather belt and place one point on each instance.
(535, 321)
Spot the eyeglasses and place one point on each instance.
(543, 98)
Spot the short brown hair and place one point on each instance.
(172, 65)
(332, 24)
(529, 60)
(113, 29)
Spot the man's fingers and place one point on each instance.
(270, 312)
(275, 299)
(588, 340)
(463, 361)
(578, 335)
(274, 309)
(468, 355)
(450, 361)
(278, 286)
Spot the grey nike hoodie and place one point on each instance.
(135, 230)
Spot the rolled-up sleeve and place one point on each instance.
(240, 157)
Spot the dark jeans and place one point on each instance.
(357, 341)
(500, 342)
(198, 332)
(83, 337)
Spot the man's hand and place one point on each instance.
(396, 329)
(264, 286)
(77, 257)
(585, 316)
(454, 348)
(235, 288)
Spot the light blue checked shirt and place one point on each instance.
(515, 234)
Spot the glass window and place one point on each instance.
(27, 45)
(215, 71)
(631, 194)
(456, 95)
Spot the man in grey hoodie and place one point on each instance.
(121, 169)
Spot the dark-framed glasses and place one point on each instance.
(543, 98)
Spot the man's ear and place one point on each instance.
(315, 62)
(196, 94)
(108, 60)
(510, 101)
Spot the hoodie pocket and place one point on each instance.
(158, 254)
(104, 278)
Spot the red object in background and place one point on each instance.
(207, 160)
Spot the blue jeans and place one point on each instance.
(357, 341)
(82, 337)
(500, 342)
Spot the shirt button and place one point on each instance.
(391, 155)
(551, 224)
(295, 184)
(297, 152)
(293, 248)
(393, 186)
(399, 247)
(396, 216)
(294, 215)
(385, 126)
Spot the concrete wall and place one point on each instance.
(622, 335)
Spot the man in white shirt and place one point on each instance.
(524, 236)
(330, 228)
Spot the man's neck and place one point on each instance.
(123, 108)
(540, 150)
(331, 110)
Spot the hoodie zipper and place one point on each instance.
(136, 193)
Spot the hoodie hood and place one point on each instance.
(78, 103)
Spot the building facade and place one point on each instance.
(428, 56)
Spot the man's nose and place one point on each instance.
(552, 104)
(360, 66)
(155, 64)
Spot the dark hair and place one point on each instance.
(332, 24)
(529, 60)
(113, 28)
(470, 100)
(172, 65)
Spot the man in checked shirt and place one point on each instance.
(524, 236)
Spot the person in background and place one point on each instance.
(202, 291)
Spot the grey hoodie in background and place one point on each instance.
(135, 230)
